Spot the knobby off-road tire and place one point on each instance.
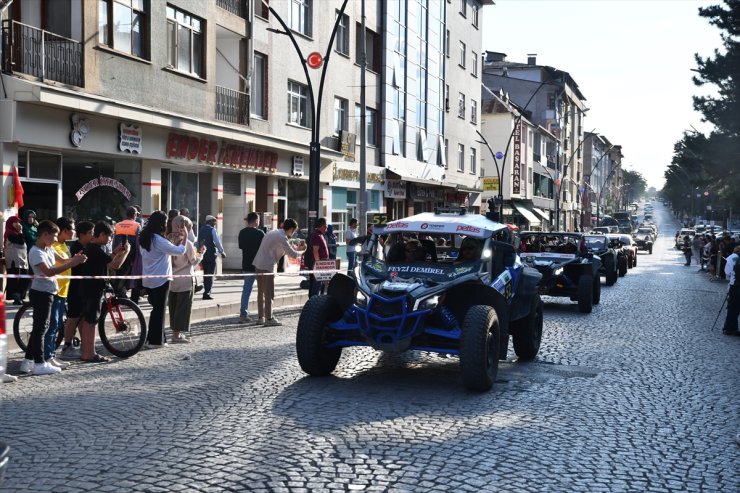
(526, 333)
(585, 293)
(622, 266)
(23, 324)
(128, 316)
(634, 260)
(313, 357)
(650, 249)
(611, 271)
(479, 348)
(597, 290)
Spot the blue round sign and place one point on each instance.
(499, 155)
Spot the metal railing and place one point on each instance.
(42, 54)
(232, 106)
(236, 7)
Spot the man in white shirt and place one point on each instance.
(350, 235)
(733, 296)
(274, 245)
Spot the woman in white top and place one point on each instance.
(156, 266)
(180, 302)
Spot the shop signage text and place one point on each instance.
(130, 138)
(353, 175)
(517, 171)
(490, 184)
(424, 193)
(395, 189)
(225, 154)
(103, 181)
(348, 145)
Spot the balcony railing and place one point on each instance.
(42, 54)
(232, 106)
(236, 7)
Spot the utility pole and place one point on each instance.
(362, 199)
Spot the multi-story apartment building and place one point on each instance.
(554, 101)
(596, 168)
(205, 105)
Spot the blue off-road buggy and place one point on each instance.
(462, 295)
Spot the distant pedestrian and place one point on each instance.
(30, 232)
(16, 260)
(191, 231)
(733, 294)
(250, 239)
(171, 214)
(317, 250)
(180, 300)
(156, 252)
(208, 236)
(274, 245)
(59, 306)
(126, 231)
(43, 288)
(687, 249)
(349, 235)
(696, 245)
(331, 241)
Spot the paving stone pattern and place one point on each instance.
(639, 396)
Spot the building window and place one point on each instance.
(263, 9)
(474, 9)
(474, 63)
(342, 45)
(462, 54)
(473, 111)
(447, 153)
(371, 119)
(341, 107)
(185, 36)
(372, 46)
(460, 157)
(297, 104)
(464, 8)
(122, 25)
(258, 98)
(447, 43)
(300, 16)
(461, 106)
(473, 160)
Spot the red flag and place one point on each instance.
(17, 188)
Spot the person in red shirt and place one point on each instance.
(319, 251)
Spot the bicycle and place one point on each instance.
(121, 326)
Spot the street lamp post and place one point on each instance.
(314, 159)
(560, 180)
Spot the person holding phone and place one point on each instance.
(126, 231)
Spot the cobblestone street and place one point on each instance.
(641, 395)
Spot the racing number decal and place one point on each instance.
(378, 219)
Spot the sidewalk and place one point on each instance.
(227, 294)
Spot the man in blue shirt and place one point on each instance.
(208, 236)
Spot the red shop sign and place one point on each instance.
(222, 153)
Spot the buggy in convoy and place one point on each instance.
(567, 267)
(442, 282)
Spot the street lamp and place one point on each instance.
(316, 61)
(604, 154)
(499, 155)
(559, 181)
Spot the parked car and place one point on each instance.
(681, 234)
(599, 245)
(567, 268)
(644, 239)
(629, 245)
(447, 282)
(623, 254)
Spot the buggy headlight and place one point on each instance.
(358, 248)
(557, 271)
(360, 298)
(486, 253)
(430, 303)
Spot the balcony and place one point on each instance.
(232, 106)
(236, 7)
(48, 56)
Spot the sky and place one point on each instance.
(631, 59)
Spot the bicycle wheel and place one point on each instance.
(22, 325)
(122, 329)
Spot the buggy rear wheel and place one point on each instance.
(313, 356)
(622, 266)
(597, 290)
(585, 293)
(479, 348)
(526, 333)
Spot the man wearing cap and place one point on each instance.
(208, 236)
(126, 231)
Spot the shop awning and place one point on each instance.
(544, 215)
(528, 215)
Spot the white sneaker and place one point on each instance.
(59, 364)
(273, 322)
(261, 321)
(9, 378)
(45, 369)
(26, 366)
(70, 353)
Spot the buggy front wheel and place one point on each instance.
(479, 348)
(122, 329)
